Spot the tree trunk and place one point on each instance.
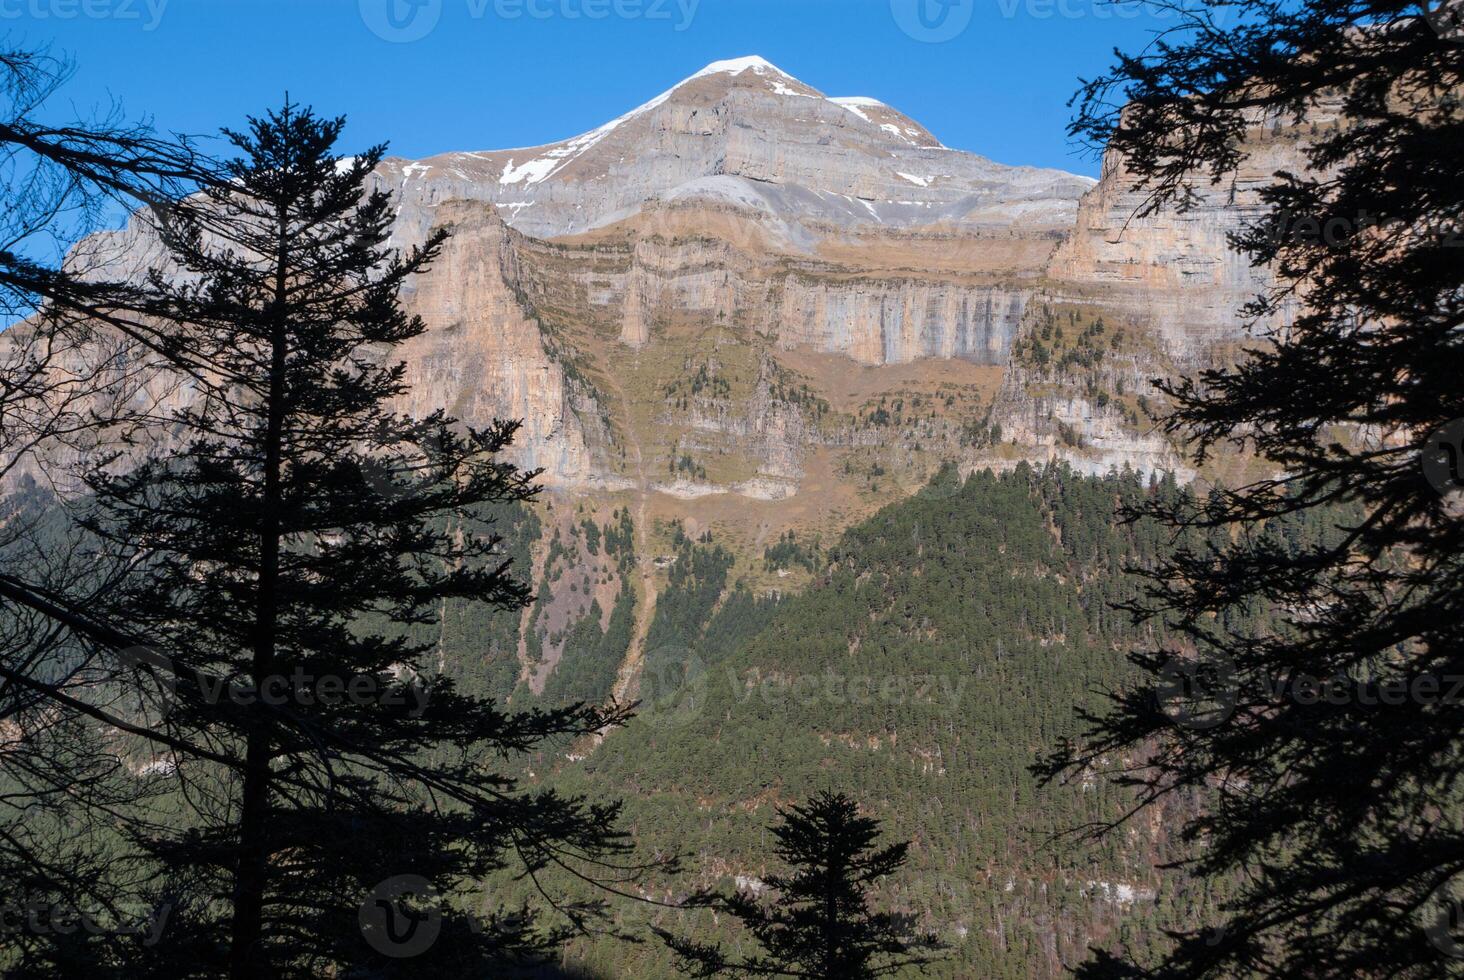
(246, 959)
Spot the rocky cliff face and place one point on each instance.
(745, 287)
(744, 202)
(1174, 269)
(1170, 289)
(482, 356)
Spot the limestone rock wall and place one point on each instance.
(482, 357)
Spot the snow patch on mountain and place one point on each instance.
(736, 66)
(532, 171)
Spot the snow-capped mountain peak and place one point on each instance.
(744, 133)
(736, 66)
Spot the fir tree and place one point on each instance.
(820, 924)
(292, 547)
(1342, 816)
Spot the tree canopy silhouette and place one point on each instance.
(290, 537)
(1341, 815)
(819, 925)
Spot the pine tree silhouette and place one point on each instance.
(820, 924)
(1339, 818)
(291, 549)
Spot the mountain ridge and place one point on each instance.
(700, 128)
(690, 286)
(694, 284)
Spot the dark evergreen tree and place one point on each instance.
(292, 541)
(1342, 816)
(819, 925)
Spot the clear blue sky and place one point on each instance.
(992, 76)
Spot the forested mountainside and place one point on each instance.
(941, 648)
(704, 333)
